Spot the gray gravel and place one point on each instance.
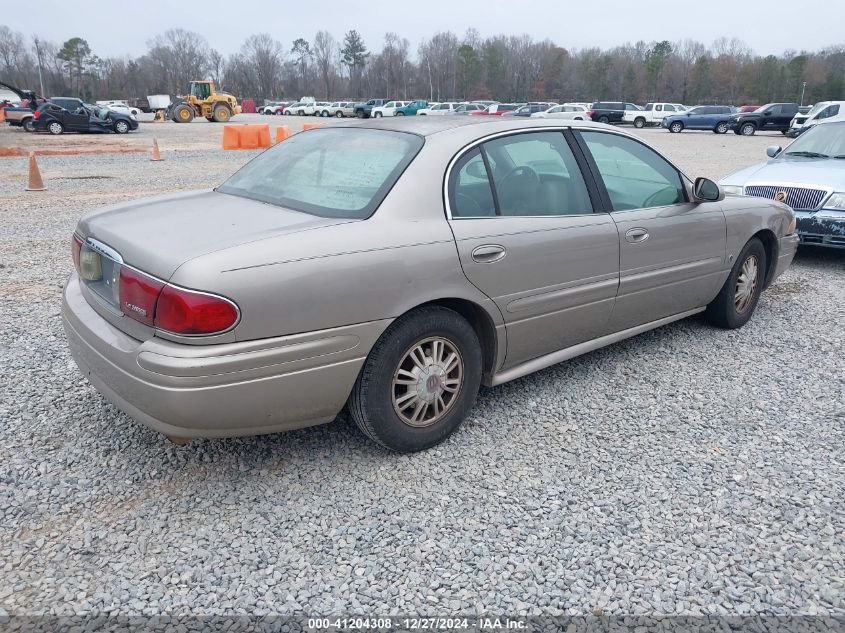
(686, 471)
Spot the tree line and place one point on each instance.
(444, 66)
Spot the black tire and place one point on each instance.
(339, 114)
(639, 122)
(400, 114)
(360, 114)
(723, 310)
(55, 128)
(377, 115)
(747, 129)
(183, 114)
(604, 119)
(301, 112)
(121, 127)
(676, 128)
(372, 401)
(28, 125)
(221, 114)
(721, 128)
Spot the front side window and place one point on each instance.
(635, 176)
(532, 174)
(337, 173)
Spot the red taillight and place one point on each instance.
(36, 114)
(187, 312)
(138, 295)
(590, 113)
(75, 250)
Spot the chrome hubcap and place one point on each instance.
(746, 284)
(55, 128)
(427, 381)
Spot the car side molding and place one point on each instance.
(536, 364)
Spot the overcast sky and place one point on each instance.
(123, 28)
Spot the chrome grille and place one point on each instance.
(796, 197)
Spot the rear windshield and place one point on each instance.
(335, 173)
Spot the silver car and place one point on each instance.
(809, 176)
(395, 266)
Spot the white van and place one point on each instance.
(822, 110)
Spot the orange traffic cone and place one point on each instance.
(156, 154)
(35, 181)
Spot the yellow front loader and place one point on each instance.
(205, 101)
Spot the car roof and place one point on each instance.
(428, 126)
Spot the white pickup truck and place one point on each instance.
(652, 114)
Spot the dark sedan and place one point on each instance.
(85, 118)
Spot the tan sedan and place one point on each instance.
(396, 265)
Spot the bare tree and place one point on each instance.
(325, 49)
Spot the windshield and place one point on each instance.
(763, 107)
(824, 140)
(816, 109)
(335, 173)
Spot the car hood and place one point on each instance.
(811, 172)
(157, 235)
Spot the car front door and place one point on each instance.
(770, 118)
(527, 236)
(77, 120)
(672, 250)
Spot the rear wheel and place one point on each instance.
(748, 129)
(29, 125)
(721, 128)
(419, 381)
(221, 114)
(676, 127)
(183, 114)
(377, 115)
(400, 114)
(55, 128)
(735, 303)
(604, 119)
(639, 122)
(360, 114)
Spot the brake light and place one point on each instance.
(36, 114)
(590, 113)
(75, 250)
(184, 311)
(138, 295)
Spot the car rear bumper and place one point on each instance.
(244, 388)
(822, 228)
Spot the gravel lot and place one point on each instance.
(687, 471)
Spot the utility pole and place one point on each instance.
(803, 86)
(38, 55)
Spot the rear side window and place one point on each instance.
(635, 176)
(337, 173)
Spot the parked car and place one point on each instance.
(363, 110)
(292, 108)
(307, 108)
(55, 119)
(269, 107)
(373, 288)
(496, 109)
(565, 111)
(439, 109)
(611, 111)
(809, 176)
(529, 109)
(714, 118)
(772, 117)
(338, 109)
(388, 109)
(467, 108)
(652, 114)
(819, 112)
(120, 106)
(411, 108)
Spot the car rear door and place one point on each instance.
(522, 216)
(672, 250)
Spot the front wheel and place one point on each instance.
(339, 114)
(735, 303)
(400, 114)
(360, 114)
(419, 381)
(377, 115)
(721, 128)
(676, 127)
(121, 127)
(55, 128)
(748, 129)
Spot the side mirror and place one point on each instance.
(773, 150)
(705, 190)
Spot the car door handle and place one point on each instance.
(636, 236)
(488, 253)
